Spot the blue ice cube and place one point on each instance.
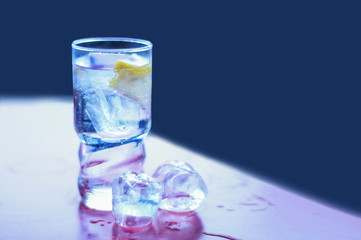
(184, 188)
(136, 197)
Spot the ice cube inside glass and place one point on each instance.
(112, 82)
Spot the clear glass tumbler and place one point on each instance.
(112, 82)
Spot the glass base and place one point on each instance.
(100, 165)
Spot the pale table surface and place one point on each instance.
(39, 197)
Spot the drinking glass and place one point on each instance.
(112, 82)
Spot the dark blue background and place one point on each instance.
(273, 88)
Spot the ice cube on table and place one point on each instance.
(184, 188)
(136, 197)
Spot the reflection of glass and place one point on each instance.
(112, 81)
(166, 225)
(94, 224)
(177, 226)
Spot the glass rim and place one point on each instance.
(147, 44)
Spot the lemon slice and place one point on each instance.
(124, 68)
(133, 81)
(122, 65)
(127, 71)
